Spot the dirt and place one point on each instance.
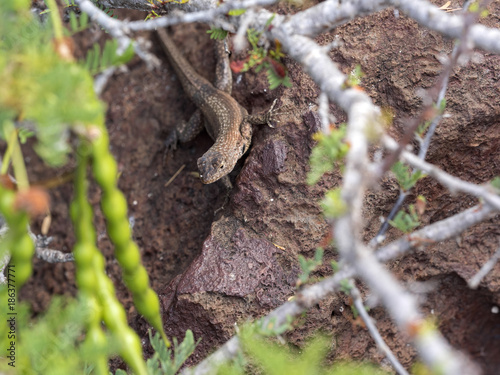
(213, 271)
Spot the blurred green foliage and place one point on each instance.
(40, 86)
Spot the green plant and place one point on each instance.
(45, 88)
(354, 78)
(406, 178)
(309, 265)
(166, 361)
(332, 204)
(97, 61)
(216, 33)
(51, 343)
(439, 110)
(78, 24)
(406, 222)
(326, 154)
(274, 359)
(276, 72)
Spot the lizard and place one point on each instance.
(226, 121)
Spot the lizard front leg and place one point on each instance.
(185, 131)
(264, 117)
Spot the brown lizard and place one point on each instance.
(226, 121)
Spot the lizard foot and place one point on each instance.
(269, 116)
(266, 117)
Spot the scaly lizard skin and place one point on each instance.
(227, 122)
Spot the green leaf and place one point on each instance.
(309, 265)
(162, 362)
(270, 20)
(218, 34)
(406, 179)
(422, 128)
(333, 205)
(355, 76)
(73, 22)
(253, 37)
(52, 337)
(97, 62)
(236, 12)
(183, 351)
(41, 87)
(406, 222)
(125, 57)
(442, 105)
(335, 265)
(329, 150)
(24, 134)
(273, 359)
(345, 286)
(275, 80)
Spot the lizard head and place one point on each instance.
(214, 164)
(220, 160)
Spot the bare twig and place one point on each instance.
(54, 256)
(485, 269)
(102, 79)
(239, 40)
(205, 15)
(323, 112)
(453, 184)
(358, 303)
(49, 255)
(175, 175)
(436, 232)
(449, 25)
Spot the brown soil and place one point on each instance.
(215, 271)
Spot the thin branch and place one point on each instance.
(206, 15)
(239, 41)
(323, 112)
(380, 237)
(113, 26)
(358, 303)
(158, 7)
(102, 79)
(449, 25)
(442, 230)
(54, 256)
(452, 183)
(432, 347)
(485, 269)
(43, 252)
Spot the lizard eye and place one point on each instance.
(217, 164)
